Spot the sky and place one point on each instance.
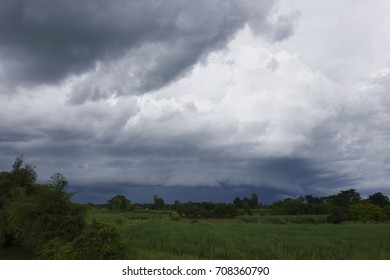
(198, 100)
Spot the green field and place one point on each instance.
(163, 235)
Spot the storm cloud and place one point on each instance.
(152, 42)
(223, 97)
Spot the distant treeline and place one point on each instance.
(347, 205)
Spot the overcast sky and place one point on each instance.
(198, 100)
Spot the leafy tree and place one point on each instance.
(48, 213)
(253, 201)
(289, 206)
(379, 199)
(158, 203)
(23, 176)
(237, 202)
(346, 198)
(118, 203)
(58, 181)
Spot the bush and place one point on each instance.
(98, 241)
(338, 214)
(364, 212)
(386, 213)
(57, 249)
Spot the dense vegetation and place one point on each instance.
(42, 219)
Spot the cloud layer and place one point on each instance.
(148, 43)
(132, 94)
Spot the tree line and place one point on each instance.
(347, 205)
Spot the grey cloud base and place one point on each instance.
(224, 96)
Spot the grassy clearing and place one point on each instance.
(155, 235)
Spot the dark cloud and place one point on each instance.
(187, 101)
(44, 41)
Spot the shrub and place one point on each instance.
(364, 212)
(98, 242)
(338, 214)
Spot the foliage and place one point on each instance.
(42, 219)
(23, 175)
(58, 181)
(98, 241)
(379, 199)
(289, 206)
(118, 203)
(57, 249)
(364, 212)
(107, 238)
(338, 214)
(247, 203)
(345, 198)
(47, 214)
(195, 210)
(158, 203)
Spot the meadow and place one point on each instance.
(165, 235)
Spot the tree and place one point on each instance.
(158, 202)
(253, 201)
(46, 214)
(379, 199)
(23, 176)
(118, 203)
(58, 181)
(346, 198)
(237, 202)
(289, 206)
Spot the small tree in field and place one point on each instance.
(158, 202)
(118, 203)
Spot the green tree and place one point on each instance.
(346, 198)
(379, 199)
(289, 206)
(237, 202)
(253, 201)
(23, 175)
(58, 181)
(118, 203)
(46, 214)
(158, 203)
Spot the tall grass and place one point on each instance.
(153, 235)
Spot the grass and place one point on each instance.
(155, 235)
